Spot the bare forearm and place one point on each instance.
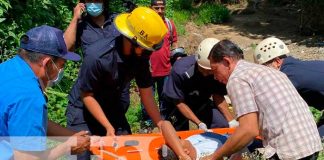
(51, 154)
(150, 105)
(171, 138)
(225, 111)
(244, 133)
(222, 105)
(54, 129)
(187, 112)
(95, 109)
(70, 34)
(233, 144)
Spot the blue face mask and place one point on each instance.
(94, 9)
(58, 77)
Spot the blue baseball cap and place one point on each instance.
(47, 40)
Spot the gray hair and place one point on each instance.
(225, 48)
(31, 56)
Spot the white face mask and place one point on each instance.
(58, 78)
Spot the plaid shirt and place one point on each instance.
(285, 121)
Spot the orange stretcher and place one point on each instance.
(139, 146)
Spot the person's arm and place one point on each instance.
(95, 109)
(54, 153)
(223, 106)
(83, 139)
(187, 112)
(54, 129)
(71, 32)
(172, 140)
(244, 133)
(150, 106)
(175, 36)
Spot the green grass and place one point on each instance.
(211, 13)
(180, 18)
(204, 14)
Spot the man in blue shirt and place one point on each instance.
(305, 75)
(23, 111)
(94, 99)
(188, 90)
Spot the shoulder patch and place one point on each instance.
(190, 72)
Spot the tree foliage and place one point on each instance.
(18, 16)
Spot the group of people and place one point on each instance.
(272, 101)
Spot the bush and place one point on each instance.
(134, 117)
(184, 4)
(311, 19)
(16, 17)
(180, 18)
(211, 13)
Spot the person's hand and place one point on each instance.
(78, 10)
(159, 125)
(203, 126)
(233, 123)
(210, 157)
(184, 157)
(82, 142)
(94, 140)
(206, 157)
(110, 131)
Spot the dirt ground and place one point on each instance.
(249, 26)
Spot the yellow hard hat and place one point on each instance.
(144, 26)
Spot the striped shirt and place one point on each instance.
(285, 121)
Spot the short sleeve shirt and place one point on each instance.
(187, 83)
(23, 110)
(206, 143)
(306, 77)
(88, 32)
(160, 59)
(286, 123)
(107, 73)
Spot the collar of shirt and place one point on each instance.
(108, 19)
(28, 72)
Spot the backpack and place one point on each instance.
(169, 24)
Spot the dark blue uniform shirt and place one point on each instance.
(106, 73)
(187, 83)
(88, 32)
(307, 77)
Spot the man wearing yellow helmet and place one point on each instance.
(160, 59)
(93, 101)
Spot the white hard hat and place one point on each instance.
(203, 51)
(269, 49)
